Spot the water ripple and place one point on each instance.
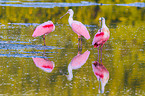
(23, 46)
(137, 4)
(62, 4)
(22, 55)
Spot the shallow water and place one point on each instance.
(123, 54)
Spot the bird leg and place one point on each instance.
(44, 39)
(101, 54)
(98, 54)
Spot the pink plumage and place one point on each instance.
(77, 26)
(44, 29)
(44, 64)
(80, 29)
(100, 38)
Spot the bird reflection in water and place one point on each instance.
(44, 63)
(102, 75)
(78, 61)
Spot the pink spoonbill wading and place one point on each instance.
(44, 29)
(101, 36)
(102, 75)
(79, 28)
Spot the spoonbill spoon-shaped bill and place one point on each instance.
(101, 73)
(77, 62)
(44, 64)
(44, 29)
(77, 26)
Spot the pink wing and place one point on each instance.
(44, 28)
(101, 37)
(44, 64)
(98, 39)
(80, 29)
(80, 60)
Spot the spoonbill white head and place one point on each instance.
(70, 11)
(101, 19)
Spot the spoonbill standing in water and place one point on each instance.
(101, 36)
(44, 29)
(77, 26)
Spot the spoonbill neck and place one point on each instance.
(70, 20)
(103, 23)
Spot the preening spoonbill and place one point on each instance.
(44, 29)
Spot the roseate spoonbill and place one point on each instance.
(77, 26)
(78, 61)
(102, 74)
(44, 64)
(101, 36)
(44, 29)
